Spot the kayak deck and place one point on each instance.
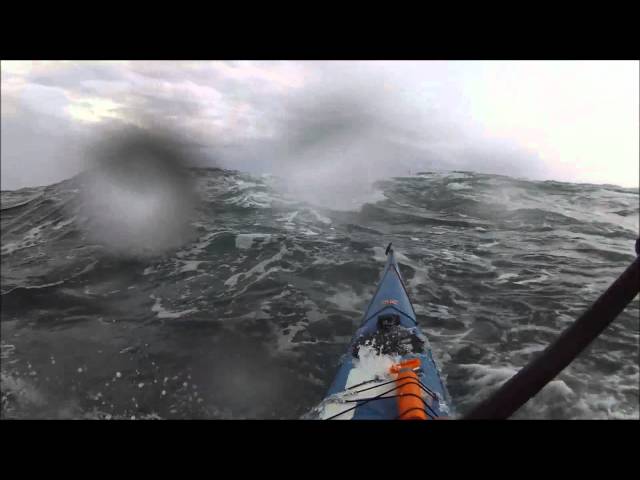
(389, 371)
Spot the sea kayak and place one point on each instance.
(389, 371)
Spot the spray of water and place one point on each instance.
(332, 146)
(139, 199)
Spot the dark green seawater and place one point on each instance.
(249, 315)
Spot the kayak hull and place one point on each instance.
(364, 387)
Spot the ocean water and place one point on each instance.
(248, 314)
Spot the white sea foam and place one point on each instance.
(190, 266)
(245, 241)
(259, 269)
(458, 186)
(161, 312)
(347, 299)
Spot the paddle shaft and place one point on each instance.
(530, 380)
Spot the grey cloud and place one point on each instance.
(39, 149)
(352, 118)
(85, 78)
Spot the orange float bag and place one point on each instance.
(411, 405)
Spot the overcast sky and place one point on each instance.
(570, 121)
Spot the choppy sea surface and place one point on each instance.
(249, 317)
